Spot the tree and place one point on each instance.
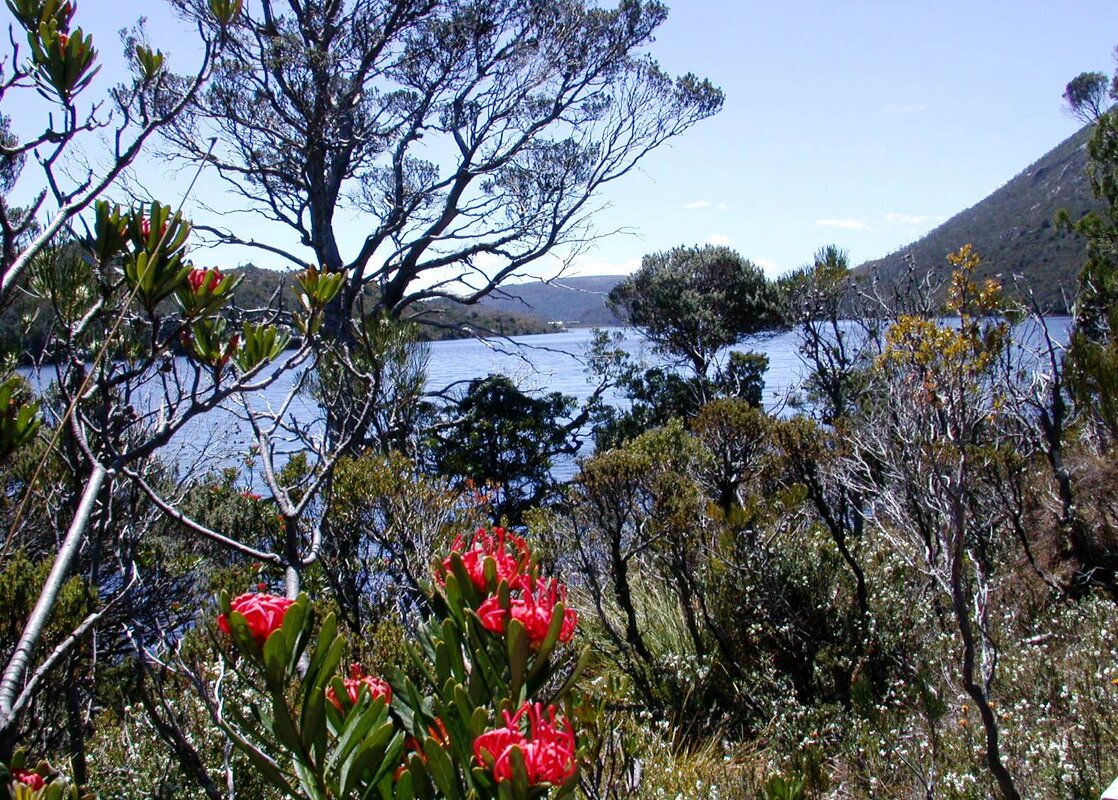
(132, 259)
(1087, 96)
(496, 434)
(471, 138)
(694, 301)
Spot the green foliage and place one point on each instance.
(694, 301)
(154, 268)
(18, 416)
(1093, 356)
(496, 434)
(658, 395)
(1087, 96)
(259, 344)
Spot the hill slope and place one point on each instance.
(1013, 229)
(571, 301)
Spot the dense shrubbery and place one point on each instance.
(905, 588)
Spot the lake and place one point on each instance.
(553, 362)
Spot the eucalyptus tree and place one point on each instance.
(458, 141)
(692, 302)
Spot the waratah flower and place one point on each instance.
(357, 678)
(509, 552)
(263, 612)
(533, 606)
(204, 278)
(31, 779)
(548, 749)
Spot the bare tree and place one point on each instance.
(471, 138)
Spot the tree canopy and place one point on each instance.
(694, 301)
(1087, 96)
(470, 138)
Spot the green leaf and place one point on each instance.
(441, 768)
(516, 642)
(583, 660)
(276, 657)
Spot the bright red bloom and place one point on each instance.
(28, 778)
(548, 749)
(263, 612)
(204, 278)
(509, 552)
(533, 606)
(357, 678)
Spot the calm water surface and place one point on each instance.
(552, 362)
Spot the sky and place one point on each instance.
(860, 123)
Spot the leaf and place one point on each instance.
(441, 769)
(583, 660)
(516, 642)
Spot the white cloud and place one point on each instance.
(719, 239)
(908, 219)
(905, 108)
(768, 265)
(591, 265)
(705, 204)
(848, 224)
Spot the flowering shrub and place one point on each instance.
(22, 781)
(263, 614)
(509, 555)
(357, 681)
(546, 755)
(33, 780)
(533, 606)
(480, 722)
(204, 279)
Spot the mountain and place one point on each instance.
(1014, 232)
(570, 301)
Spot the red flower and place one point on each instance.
(145, 227)
(548, 750)
(357, 678)
(204, 278)
(28, 778)
(533, 606)
(263, 612)
(438, 732)
(510, 553)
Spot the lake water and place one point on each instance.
(543, 363)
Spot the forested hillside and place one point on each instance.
(1014, 228)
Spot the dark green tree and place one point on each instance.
(1087, 96)
(497, 435)
(692, 302)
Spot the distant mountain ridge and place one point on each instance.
(569, 301)
(1013, 230)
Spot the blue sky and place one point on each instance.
(858, 123)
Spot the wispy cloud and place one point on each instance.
(905, 108)
(848, 224)
(719, 239)
(907, 219)
(705, 204)
(585, 264)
